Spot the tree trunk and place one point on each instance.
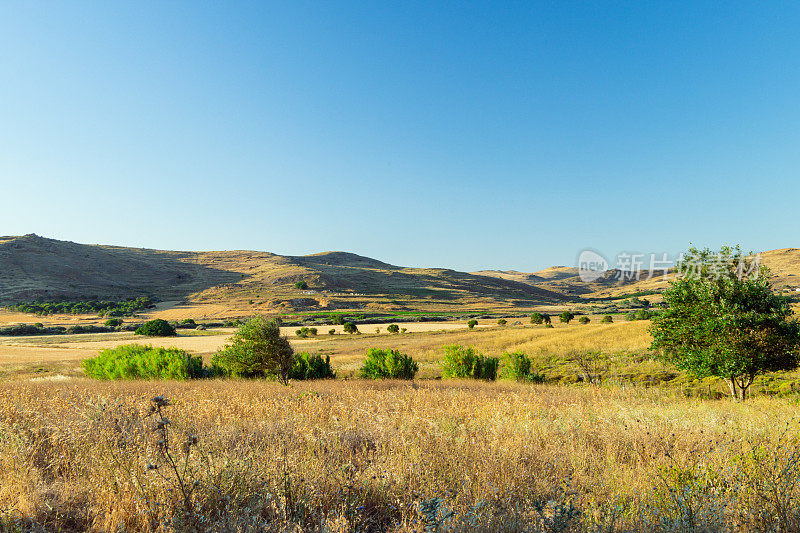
(732, 385)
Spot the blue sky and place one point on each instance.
(463, 135)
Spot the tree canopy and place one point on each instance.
(723, 319)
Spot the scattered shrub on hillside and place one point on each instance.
(302, 285)
(472, 323)
(393, 328)
(337, 320)
(257, 349)
(156, 328)
(566, 316)
(350, 327)
(608, 319)
(537, 318)
(188, 323)
(463, 362)
(388, 364)
(630, 316)
(113, 322)
(332, 331)
(644, 314)
(501, 322)
(584, 320)
(311, 366)
(134, 361)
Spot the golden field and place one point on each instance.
(392, 456)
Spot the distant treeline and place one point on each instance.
(85, 307)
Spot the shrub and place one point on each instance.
(188, 323)
(566, 316)
(388, 364)
(306, 332)
(403, 330)
(302, 285)
(462, 362)
(472, 323)
(584, 320)
(501, 322)
(537, 318)
(311, 366)
(156, 328)
(350, 327)
(134, 361)
(332, 331)
(113, 322)
(608, 319)
(630, 316)
(643, 314)
(257, 349)
(517, 365)
(393, 328)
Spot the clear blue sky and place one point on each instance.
(474, 135)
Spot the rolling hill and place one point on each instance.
(37, 268)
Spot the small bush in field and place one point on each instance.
(608, 319)
(472, 323)
(311, 366)
(644, 314)
(302, 285)
(517, 365)
(134, 361)
(156, 328)
(332, 331)
(388, 364)
(501, 322)
(350, 327)
(306, 332)
(393, 328)
(537, 318)
(566, 316)
(463, 362)
(403, 330)
(113, 322)
(584, 320)
(257, 349)
(630, 316)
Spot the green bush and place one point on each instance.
(472, 323)
(311, 366)
(584, 320)
(388, 364)
(644, 314)
(537, 318)
(113, 322)
(608, 319)
(630, 316)
(393, 328)
(566, 316)
(501, 322)
(350, 327)
(302, 285)
(102, 308)
(332, 331)
(134, 361)
(156, 328)
(462, 362)
(517, 365)
(257, 349)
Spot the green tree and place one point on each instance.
(388, 364)
(393, 328)
(350, 327)
(537, 318)
(608, 319)
(546, 318)
(302, 285)
(156, 328)
(257, 349)
(723, 319)
(501, 322)
(566, 316)
(584, 320)
(472, 323)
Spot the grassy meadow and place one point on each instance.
(649, 450)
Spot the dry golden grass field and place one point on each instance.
(428, 455)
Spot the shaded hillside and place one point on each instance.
(36, 268)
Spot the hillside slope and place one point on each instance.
(37, 268)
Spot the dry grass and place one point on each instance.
(345, 456)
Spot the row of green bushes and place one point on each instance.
(135, 361)
(101, 307)
(19, 330)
